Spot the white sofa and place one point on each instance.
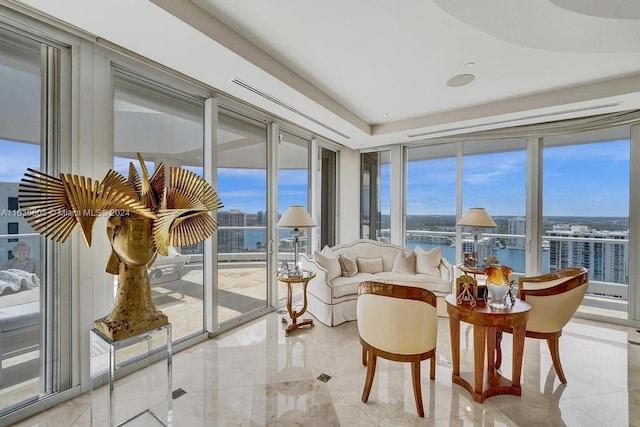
(332, 295)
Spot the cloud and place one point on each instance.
(242, 193)
(493, 170)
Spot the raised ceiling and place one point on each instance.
(368, 73)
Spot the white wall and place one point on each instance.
(349, 196)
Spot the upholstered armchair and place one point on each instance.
(554, 298)
(397, 323)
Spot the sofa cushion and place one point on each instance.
(370, 265)
(405, 263)
(329, 263)
(349, 285)
(428, 262)
(348, 266)
(424, 281)
(371, 249)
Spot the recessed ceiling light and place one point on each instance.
(469, 64)
(460, 80)
(384, 115)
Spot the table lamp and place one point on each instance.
(477, 219)
(295, 217)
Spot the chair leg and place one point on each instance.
(364, 356)
(432, 370)
(498, 361)
(371, 371)
(553, 342)
(417, 390)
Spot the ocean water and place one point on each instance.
(514, 258)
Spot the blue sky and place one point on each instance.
(580, 180)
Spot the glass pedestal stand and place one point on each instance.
(129, 384)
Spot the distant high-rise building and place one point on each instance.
(485, 247)
(516, 226)
(607, 261)
(231, 240)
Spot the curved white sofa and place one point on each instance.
(332, 296)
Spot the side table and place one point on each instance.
(304, 278)
(486, 321)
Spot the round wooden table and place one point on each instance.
(303, 278)
(487, 321)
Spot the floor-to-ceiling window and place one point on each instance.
(431, 198)
(586, 213)
(34, 308)
(293, 189)
(494, 178)
(376, 196)
(243, 240)
(583, 210)
(164, 126)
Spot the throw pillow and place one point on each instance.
(370, 265)
(327, 251)
(405, 263)
(329, 263)
(428, 262)
(348, 266)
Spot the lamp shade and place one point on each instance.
(296, 217)
(476, 217)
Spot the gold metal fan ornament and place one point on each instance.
(145, 218)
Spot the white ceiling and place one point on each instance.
(341, 64)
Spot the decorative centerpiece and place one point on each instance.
(145, 218)
(497, 284)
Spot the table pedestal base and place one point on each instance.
(293, 324)
(493, 385)
(485, 381)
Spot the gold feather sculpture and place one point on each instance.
(145, 218)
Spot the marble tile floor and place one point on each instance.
(255, 376)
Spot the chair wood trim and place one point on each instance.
(575, 278)
(397, 291)
(395, 356)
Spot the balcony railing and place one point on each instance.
(618, 290)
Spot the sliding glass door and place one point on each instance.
(164, 126)
(242, 234)
(293, 189)
(34, 335)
